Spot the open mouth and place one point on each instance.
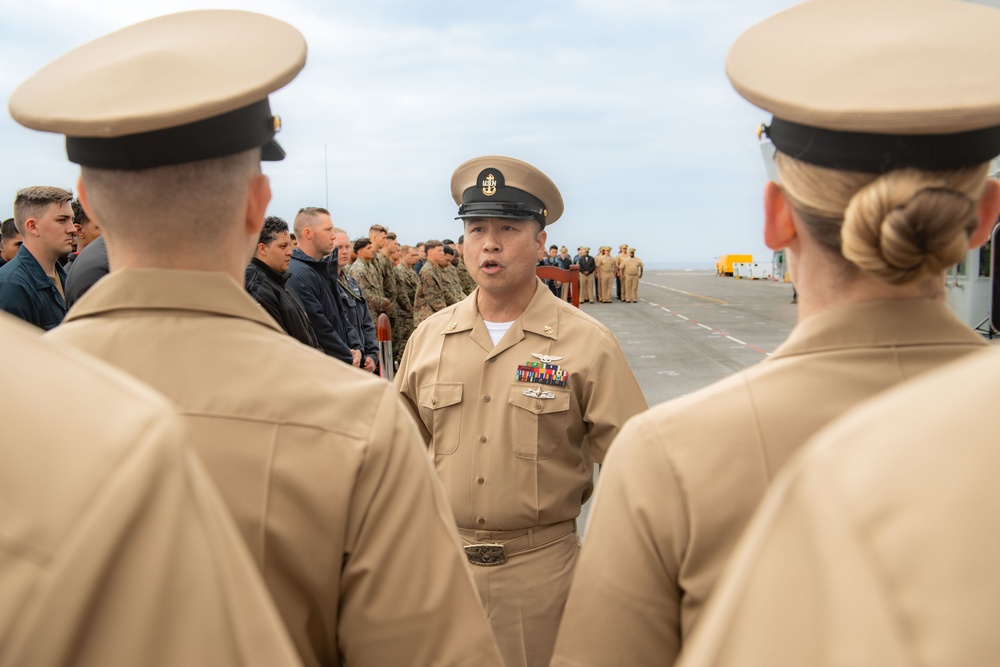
(490, 266)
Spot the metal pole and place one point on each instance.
(383, 332)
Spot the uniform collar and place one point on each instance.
(895, 322)
(211, 292)
(541, 317)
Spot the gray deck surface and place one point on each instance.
(691, 328)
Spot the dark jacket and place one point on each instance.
(25, 291)
(587, 265)
(356, 307)
(313, 283)
(267, 287)
(90, 265)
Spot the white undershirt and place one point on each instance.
(497, 330)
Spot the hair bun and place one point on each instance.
(907, 224)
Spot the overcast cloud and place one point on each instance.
(624, 104)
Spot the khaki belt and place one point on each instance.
(506, 543)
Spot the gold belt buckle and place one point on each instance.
(486, 555)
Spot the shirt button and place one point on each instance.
(481, 480)
(482, 439)
(481, 521)
(434, 401)
(487, 399)
(538, 406)
(493, 360)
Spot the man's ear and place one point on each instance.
(84, 197)
(987, 211)
(779, 224)
(258, 197)
(541, 238)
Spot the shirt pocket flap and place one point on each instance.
(437, 395)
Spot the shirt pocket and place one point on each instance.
(441, 407)
(538, 425)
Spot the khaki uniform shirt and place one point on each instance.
(115, 548)
(879, 545)
(510, 460)
(605, 266)
(620, 259)
(370, 280)
(321, 467)
(631, 266)
(690, 472)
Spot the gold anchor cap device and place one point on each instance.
(494, 186)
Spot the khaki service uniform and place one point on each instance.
(683, 479)
(318, 463)
(619, 276)
(115, 547)
(878, 545)
(605, 276)
(516, 456)
(632, 270)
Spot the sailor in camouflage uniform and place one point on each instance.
(451, 272)
(406, 281)
(366, 273)
(464, 277)
(434, 291)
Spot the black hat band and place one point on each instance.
(233, 132)
(881, 153)
(505, 202)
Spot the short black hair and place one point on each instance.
(79, 215)
(448, 242)
(361, 242)
(8, 230)
(273, 225)
(449, 250)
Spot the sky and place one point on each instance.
(623, 103)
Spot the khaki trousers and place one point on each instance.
(524, 598)
(605, 286)
(564, 291)
(631, 288)
(586, 288)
